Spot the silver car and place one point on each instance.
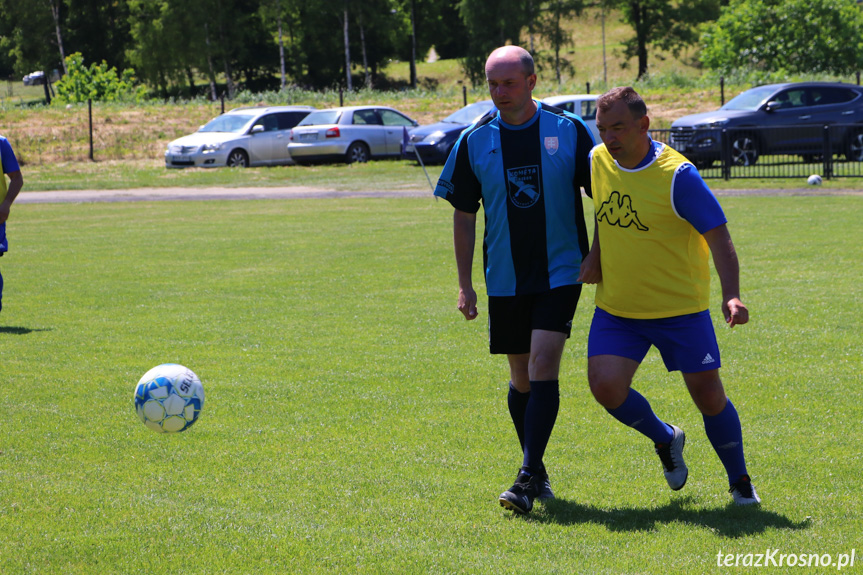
(240, 138)
(582, 105)
(350, 134)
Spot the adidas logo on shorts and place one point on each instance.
(707, 359)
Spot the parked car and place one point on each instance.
(434, 142)
(582, 105)
(350, 134)
(785, 118)
(240, 138)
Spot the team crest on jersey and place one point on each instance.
(617, 211)
(551, 145)
(523, 186)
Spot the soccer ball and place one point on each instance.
(814, 180)
(169, 398)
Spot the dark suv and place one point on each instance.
(776, 119)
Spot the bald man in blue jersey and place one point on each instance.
(8, 193)
(525, 163)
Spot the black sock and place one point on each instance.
(517, 402)
(539, 418)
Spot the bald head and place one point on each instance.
(509, 55)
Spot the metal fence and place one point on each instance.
(832, 151)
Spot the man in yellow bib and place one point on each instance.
(657, 223)
(8, 193)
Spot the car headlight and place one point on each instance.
(434, 137)
(714, 124)
(210, 148)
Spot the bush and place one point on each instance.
(98, 83)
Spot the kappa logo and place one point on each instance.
(707, 359)
(617, 211)
(523, 186)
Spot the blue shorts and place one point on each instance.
(4, 245)
(687, 343)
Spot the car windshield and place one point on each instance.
(750, 99)
(227, 123)
(320, 118)
(469, 114)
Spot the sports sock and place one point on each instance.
(723, 431)
(539, 418)
(636, 412)
(517, 402)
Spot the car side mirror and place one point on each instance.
(415, 123)
(257, 128)
(772, 106)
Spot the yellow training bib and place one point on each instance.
(654, 263)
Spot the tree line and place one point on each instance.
(183, 48)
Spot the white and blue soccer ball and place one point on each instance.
(814, 180)
(169, 398)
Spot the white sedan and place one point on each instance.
(350, 134)
(583, 105)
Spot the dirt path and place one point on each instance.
(300, 192)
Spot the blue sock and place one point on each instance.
(635, 412)
(723, 431)
(517, 402)
(539, 418)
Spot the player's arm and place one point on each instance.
(591, 270)
(464, 240)
(728, 269)
(16, 182)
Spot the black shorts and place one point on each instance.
(512, 319)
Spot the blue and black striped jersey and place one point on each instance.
(528, 179)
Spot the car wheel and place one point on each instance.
(744, 150)
(357, 152)
(237, 159)
(854, 148)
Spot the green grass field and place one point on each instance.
(354, 423)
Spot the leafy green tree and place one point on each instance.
(664, 24)
(553, 15)
(793, 36)
(489, 26)
(98, 82)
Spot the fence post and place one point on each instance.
(222, 98)
(725, 155)
(588, 88)
(858, 78)
(827, 155)
(722, 90)
(341, 97)
(90, 120)
(464, 94)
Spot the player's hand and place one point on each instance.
(467, 303)
(4, 213)
(591, 271)
(735, 312)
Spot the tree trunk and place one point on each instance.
(368, 81)
(281, 46)
(413, 45)
(55, 12)
(350, 84)
(212, 71)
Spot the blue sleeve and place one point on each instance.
(694, 202)
(457, 183)
(7, 156)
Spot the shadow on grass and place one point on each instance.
(20, 330)
(730, 521)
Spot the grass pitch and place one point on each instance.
(354, 423)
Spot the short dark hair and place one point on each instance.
(527, 63)
(629, 96)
